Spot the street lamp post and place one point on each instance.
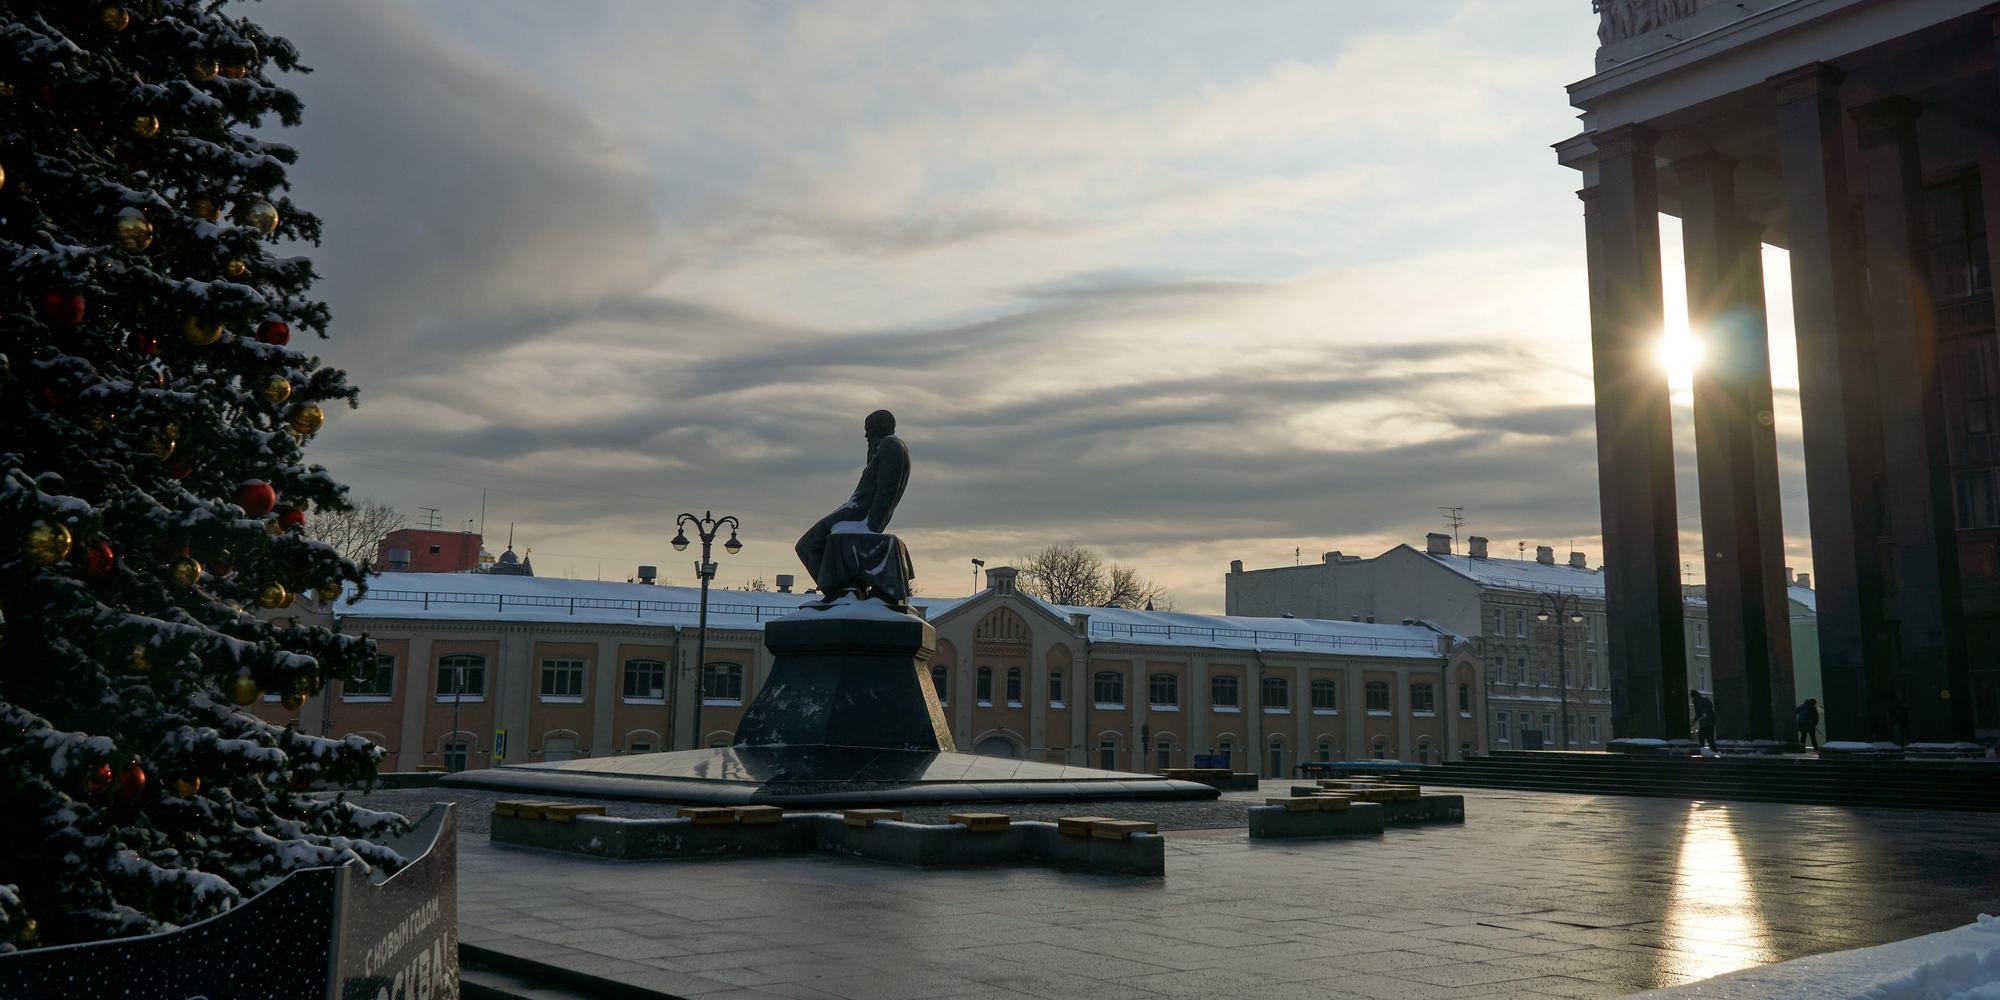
(1562, 609)
(457, 702)
(705, 527)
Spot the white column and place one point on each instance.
(1355, 711)
(514, 693)
(1403, 720)
(1197, 706)
(419, 674)
(604, 695)
(1302, 713)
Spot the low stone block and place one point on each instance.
(1303, 790)
(1121, 829)
(1428, 809)
(525, 808)
(1296, 804)
(707, 815)
(1079, 826)
(567, 812)
(1407, 793)
(758, 814)
(980, 822)
(1333, 803)
(869, 817)
(1360, 819)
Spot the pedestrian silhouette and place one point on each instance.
(1808, 720)
(1704, 719)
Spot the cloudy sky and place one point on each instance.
(1181, 282)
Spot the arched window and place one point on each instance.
(1055, 689)
(1014, 687)
(461, 675)
(722, 684)
(457, 752)
(940, 679)
(1226, 748)
(1325, 696)
(1325, 751)
(559, 744)
(1165, 691)
(1109, 689)
(1277, 763)
(646, 681)
(1107, 754)
(1380, 748)
(641, 741)
(1465, 698)
(1277, 695)
(1163, 753)
(1423, 750)
(983, 690)
(1223, 693)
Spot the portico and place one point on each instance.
(1843, 132)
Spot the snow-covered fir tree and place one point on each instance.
(152, 485)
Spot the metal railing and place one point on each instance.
(570, 605)
(1261, 636)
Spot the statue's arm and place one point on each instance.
(891, 469)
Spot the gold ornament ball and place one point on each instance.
(330, 591)
(203, 69)
(142, 660)
(243, 689)
(116, 18)
(187, 572)
(275, 390)
(261, 216)
(274, 526)
(6, 89)
(187, 787)
(47, 543)
(145, 126)
(204, 207)
(293, 701)
(201, 332)
(236, 71)
(236, 268)
(31, 931)
(307, 419)
(131, 231)
(161, 442)
(3, 176)
(274, 595)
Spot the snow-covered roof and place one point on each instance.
(485, 597)
(1524, 574)
(1805, 596)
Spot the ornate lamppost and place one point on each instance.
(1562, 608)
(705, 527)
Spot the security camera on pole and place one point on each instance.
(705, 527)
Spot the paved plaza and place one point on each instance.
(1535, 895)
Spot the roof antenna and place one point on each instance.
(430, 517)
(1454, 517)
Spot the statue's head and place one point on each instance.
(879, 425)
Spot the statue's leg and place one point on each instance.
(812, 546)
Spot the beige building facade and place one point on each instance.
(481, 670)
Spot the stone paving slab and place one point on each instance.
(1536, 895)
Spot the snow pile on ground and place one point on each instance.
(1958, 964)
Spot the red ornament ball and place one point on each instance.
(275, 332)
(291, 518)
(177, 467)
(256, 497)
(142, 342)
(98, 559)
(131, 783)
(100, 780)
(62, 309)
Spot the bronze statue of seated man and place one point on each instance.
(848, 551)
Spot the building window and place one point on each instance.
(1591, 723)
(1955, 222)
(1277, 769)
(1055, 689)
(983, 690)
(1165, 692)
(1226, 749)
(646, 680)
(562, 680)
(1107, 754)
(1548, 725)
(1325, 696)
(1379, 748)
(1223, 694)
(456, 753)
(461, 675)
(941, 683)
(1423, 699)
(1465, 699)
(1424, 750)
(1325, 752)
(1700, 635)
(1163, 755)
(1109, 689)
(1521, 669)
(722, 684)
(375, 682)
(1014, 687)
(1520, 624)
(1499, 622)
(1277, 696)
(1500, 728)
(1378, 697)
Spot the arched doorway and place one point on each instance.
(997, 746)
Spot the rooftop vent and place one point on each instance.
(1437, 544)
(1577, 561)
(1236, 565)
(1805, 580)
(1545, 554)
(648, 574)
(1478, 546)
(784, 583)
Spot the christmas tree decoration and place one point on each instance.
(261, 216)
(201, 332)
(291, 519)
(273, 331)
(62, 309)
(275, 390)
(329, 592)
(98, 558)
(130, 783)
(243, 690)
(131, 231)
(154, 174)
(256, 497)
(306, 420)
(274, 595)
(46, 543)
(3, 176)
(292, 701)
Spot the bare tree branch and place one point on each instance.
(1073, 575)
(358, 531)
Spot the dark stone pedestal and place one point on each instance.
(843, 680)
